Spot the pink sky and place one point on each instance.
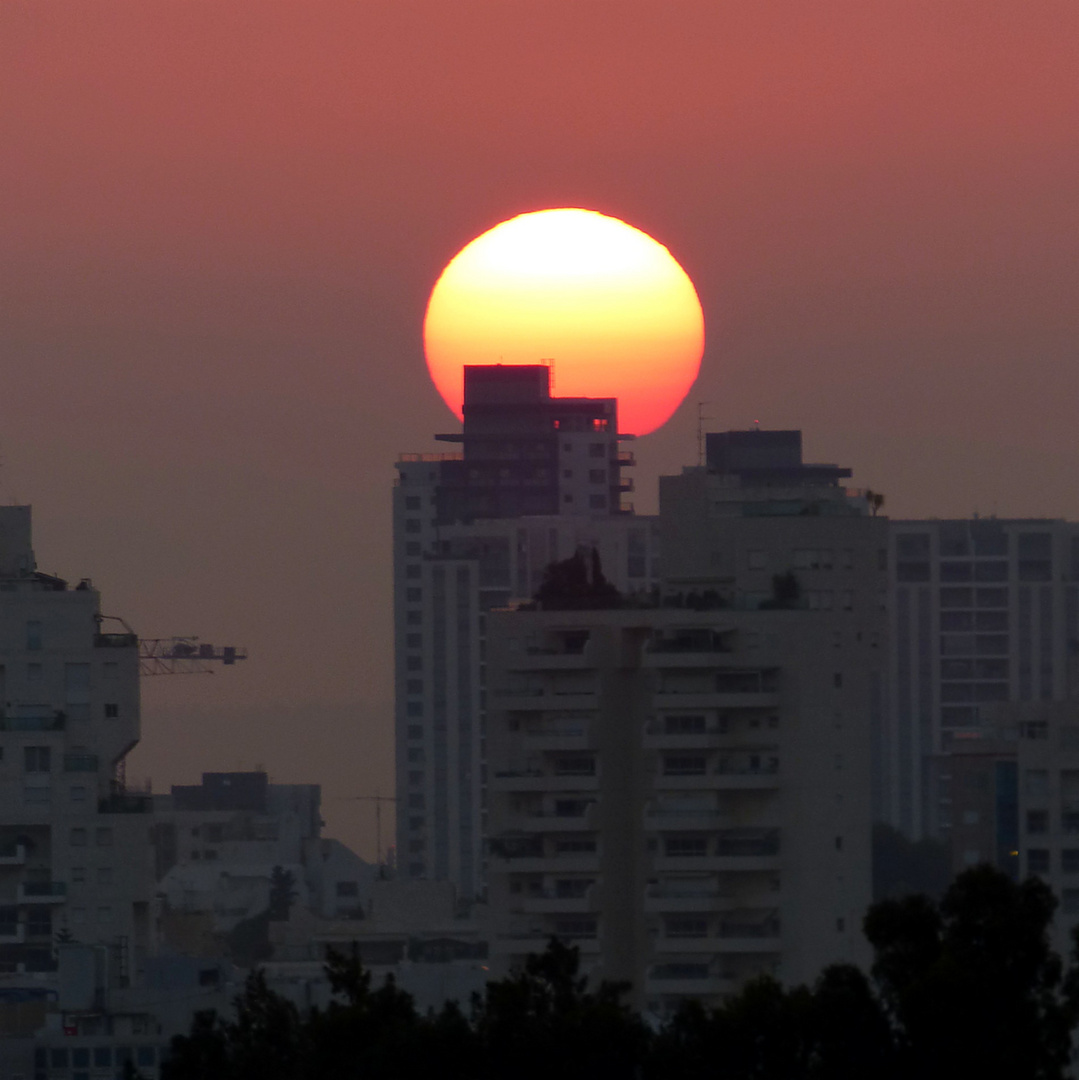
(221, 222)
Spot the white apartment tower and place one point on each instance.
(75, 857)
(684, 790)
(537, 478)
(984, 611)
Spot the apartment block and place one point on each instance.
(75, 856)
(983, 611)
(537, 478)
(683, 795)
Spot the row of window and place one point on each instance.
(100, 1057)
(965, 539)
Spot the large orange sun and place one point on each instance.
(603, 302)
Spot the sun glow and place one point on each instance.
(604, 302)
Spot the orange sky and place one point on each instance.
(221, 222)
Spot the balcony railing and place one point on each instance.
(116, 641)
(42, 891)
(125, 803)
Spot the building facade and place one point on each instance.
(75, 858)
(683, 789)
(537, 478)
(983, 611)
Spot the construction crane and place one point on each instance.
(378, 800)
(184, 656)
(175, 655)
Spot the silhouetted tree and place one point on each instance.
(577, 584)
(545, 1023)
(971, 984)
(902, 867)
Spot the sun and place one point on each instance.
(606, 305)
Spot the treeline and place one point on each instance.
(964, 987)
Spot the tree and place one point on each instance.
(577, 584)
(544, 1022)
(971, 983)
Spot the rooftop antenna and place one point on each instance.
(700, 430)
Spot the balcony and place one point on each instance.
(13, 855)
(569, 735)
(537, 780)
(689, 979)
(550, 822)
(125, 802)
(12, 933)
(116, 641)
(42, 892)
(550, 903)
(675, 899)
(32, 718)
(677, 818)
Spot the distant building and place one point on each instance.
(75, 858)
(984, 611)
(218, 843)
(683, 790)
(538, 478)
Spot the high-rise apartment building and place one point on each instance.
(983, 611)
(75, 855)
(684, 790)
(537, 478)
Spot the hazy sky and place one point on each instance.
(220, 222)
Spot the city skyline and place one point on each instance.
(214, 289)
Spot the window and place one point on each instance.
(574, 847)
(415, 755)
(415, 778)
(110, 670)
(412, 502)
(837, 680)
(415, 731)
(412, 525)
(414, 709)
(413, 571)
(112, 711)
(683, 725)
(1038, 861)
(597, 449)
(415, 847)
(104, 913)
(77, 837)
(684, 765)
(415, 823)
(415, 802)
(577, 765)
(78, 793)
(78, 874)
(414, 641)
(33, 636)
(37, 794)
(414, 618)
(680, 847)
(414, 686)
(839, 843)
(414, 663)
(597, 476)
(597, 502)
(1069, 861)
(37, 759)
(686, 926)
(1037, 784)
(1037, 822)
(571, 888)
(104, 875)
(103, 836)
(34, 673)
(1071, 901)
(347, 889)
